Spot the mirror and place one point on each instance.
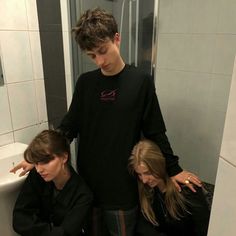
(195, 54)
(194, 61)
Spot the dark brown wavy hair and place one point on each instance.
(94, 27)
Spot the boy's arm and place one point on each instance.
(69, 125)
(154, 129)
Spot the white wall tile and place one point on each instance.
(186, 52)
(201, 51)
(173, 16)
(23, 104)
(5, 121)
(32, 14)
(167, 81)
(36, 54)
(228, 148)
(227, 17)
(16, 55)
(27, 134)
(205, 16)
(223, 213)
(219, 93)
(41, 100)
(224, 54)
(201, 18)
(198, 90)
(6, 139)
(13, 15)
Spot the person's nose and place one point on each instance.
(144, 179)
(39, 168)
(99, 60)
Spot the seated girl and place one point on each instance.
(54, 199)
(168, 211)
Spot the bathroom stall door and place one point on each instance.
(136, 24)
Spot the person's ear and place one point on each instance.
(117, 38)
(65, 157)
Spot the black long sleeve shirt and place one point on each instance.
(39, 211)
(110, 114)
(194, 222)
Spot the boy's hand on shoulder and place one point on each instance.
(187, 178)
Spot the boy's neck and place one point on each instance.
(119, 67)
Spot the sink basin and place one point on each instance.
(10, 155)
(10, 183)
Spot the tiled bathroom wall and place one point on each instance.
(223, 214)
(195, 56)
(22, 97)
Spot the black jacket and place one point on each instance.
(193, 223)
(40, 211)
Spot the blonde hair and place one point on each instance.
(149, 154)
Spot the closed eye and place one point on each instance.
(102, 50)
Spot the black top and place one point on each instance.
(195, 221)
(41, 210)
(110, 114)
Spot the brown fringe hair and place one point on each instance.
(46, 145)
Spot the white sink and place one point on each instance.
(10, 183)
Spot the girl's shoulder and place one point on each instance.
(189, 194)
(197, 198)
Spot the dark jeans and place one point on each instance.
(112, 222)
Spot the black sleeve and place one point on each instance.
(155, 130)
(26, 212)
(70, 122)
(199, 210)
